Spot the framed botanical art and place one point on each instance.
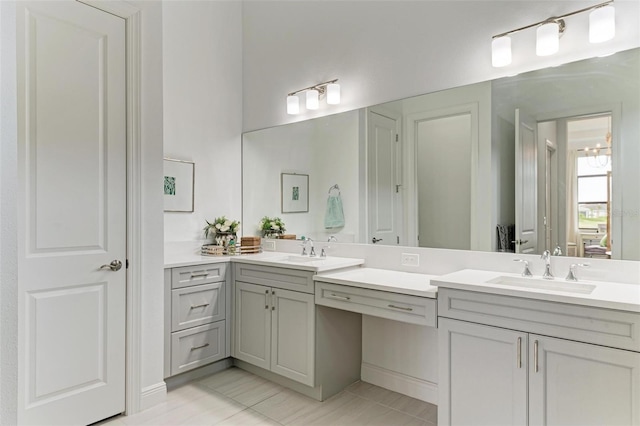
(178, 185)
(294, 193)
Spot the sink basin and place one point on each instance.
(554, 285)
(299, 259)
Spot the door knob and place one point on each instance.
(375, 240)
(115, 265)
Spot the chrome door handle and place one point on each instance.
(115, 265)
(375, 240)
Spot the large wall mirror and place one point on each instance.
(547, 160)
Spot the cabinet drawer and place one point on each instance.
(199, 274)
(197, 346)
(617, 329)
(197, 305)
(399, 307)
(288, 279)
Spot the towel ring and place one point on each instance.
(336, 187)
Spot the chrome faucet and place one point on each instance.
(526, 272)
(312, 252)
(572, 271)
(323, 252)
(546, 256)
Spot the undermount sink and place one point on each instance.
(554, 285)
(300, 259)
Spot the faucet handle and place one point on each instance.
(571, 276)
(527, 271)
(323, 252)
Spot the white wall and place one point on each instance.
(202, 86)
(387, 50)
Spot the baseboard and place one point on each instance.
(188, 376)
(401, 383)
(153, 395)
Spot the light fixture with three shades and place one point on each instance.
(602, 27)
(312, 96)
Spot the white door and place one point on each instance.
(72, 213)
(483, 375)
(383, 181)
(293, 335)
(526, 184)
(253, 324)
(573, 383)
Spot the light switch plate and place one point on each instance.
(410, 259)
(269, 245)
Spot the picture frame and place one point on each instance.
(179, 182)
(294, 193)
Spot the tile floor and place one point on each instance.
(236, 397)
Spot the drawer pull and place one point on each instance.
(400, 307)
(202, 274)
(204, 305)
(199, 347)
(336, 296)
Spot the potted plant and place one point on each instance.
(223, 230)
(271, 227)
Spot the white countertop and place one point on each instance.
(609, 295)
(189, 254)
(383, 279)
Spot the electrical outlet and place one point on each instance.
(410, 259)
(269, 245)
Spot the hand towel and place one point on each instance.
(334, 215)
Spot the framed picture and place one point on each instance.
(294, 193)
(178, 185)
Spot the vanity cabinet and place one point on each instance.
(275, 330)
(195, 317)
(280, 334)
(491, 374)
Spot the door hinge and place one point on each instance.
(126, 264)
(398, 239)
(397, 138)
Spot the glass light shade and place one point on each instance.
(313, 99)
(501, 51)
(602, 24)
(333, 94)
(547, 39)
(293, 105)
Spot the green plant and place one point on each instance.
(221, 224)
(271, 225)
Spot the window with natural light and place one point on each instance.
(592, 191)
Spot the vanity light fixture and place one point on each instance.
(312, 96)
(602, 27)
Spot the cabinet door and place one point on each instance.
(573, 383)
(293, 335)
(253, 324)
(483, 375)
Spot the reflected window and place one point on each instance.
(593, 197)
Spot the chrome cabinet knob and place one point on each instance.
(115, 265)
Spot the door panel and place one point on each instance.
(384, 200)
(483, 377)
(293, 335)
(72, 212)
(527, 184)
(253, 324)
(582, 384)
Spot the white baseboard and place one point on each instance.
(153, 395)
(401, 383)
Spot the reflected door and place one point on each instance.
(383, 183)
(526, 184)
(72, 213)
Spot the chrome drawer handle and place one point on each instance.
(204, 305)
(199, 275)
(335, 296)
(400, 307)
(199, 347)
